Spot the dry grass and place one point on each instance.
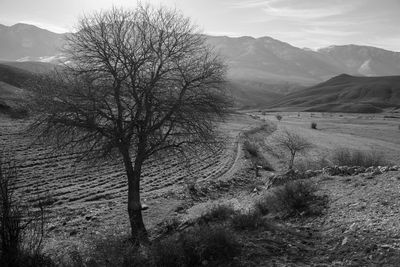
(347, 157)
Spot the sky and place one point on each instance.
(302, 23)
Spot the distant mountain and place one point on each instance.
(363, 60)
(345, 93)
(24, 40)
(268, 60)
(260, 69)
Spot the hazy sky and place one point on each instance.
(302, 23)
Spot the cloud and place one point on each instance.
(223, 33)
(330, 32)
(305, 12)
(252, 3)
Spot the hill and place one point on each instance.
(13, 78)
(346, 93)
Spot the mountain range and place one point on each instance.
(261, 70)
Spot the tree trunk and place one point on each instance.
(291, 162)
(138, 230)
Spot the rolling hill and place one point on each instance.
(14, 76)
(346, 93)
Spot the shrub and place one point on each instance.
(262, 205)
(278, 117)
(217, 213)
(250, 220)
(197, 246)
(257, 158)
(250, 148)
(114, 251)
(347, 157)
(314, 125)
(21, 225)
(295, 198)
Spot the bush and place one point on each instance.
(257, 158)
(250, 148)
(262, 205)
(21, 224)
(279, 117)
(196, 247)
(314, 125)
(347, 157)
(248, 221)
(294, 198)
(217, 213)
(114, 251)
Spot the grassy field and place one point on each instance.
(366, 132)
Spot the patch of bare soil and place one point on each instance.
(362, 224)
(360, 227)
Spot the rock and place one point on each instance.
(331, 170)
(73, 233)
(318, 172)
(383, 169)
(369, 169)
(360, 170)
(352, 170)
(376, 171)
(394, 168)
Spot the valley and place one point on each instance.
(303, 171)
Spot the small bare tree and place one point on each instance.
(21, 226)
(293, 143)
(139, 82)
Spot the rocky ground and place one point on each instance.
(360, 227)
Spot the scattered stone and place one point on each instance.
(377, 171)
(394, 168)
(73, 233)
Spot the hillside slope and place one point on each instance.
(345, 93)
(14, 76)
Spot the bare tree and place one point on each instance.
(292, 143)
(21, 225)
(138, 82)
